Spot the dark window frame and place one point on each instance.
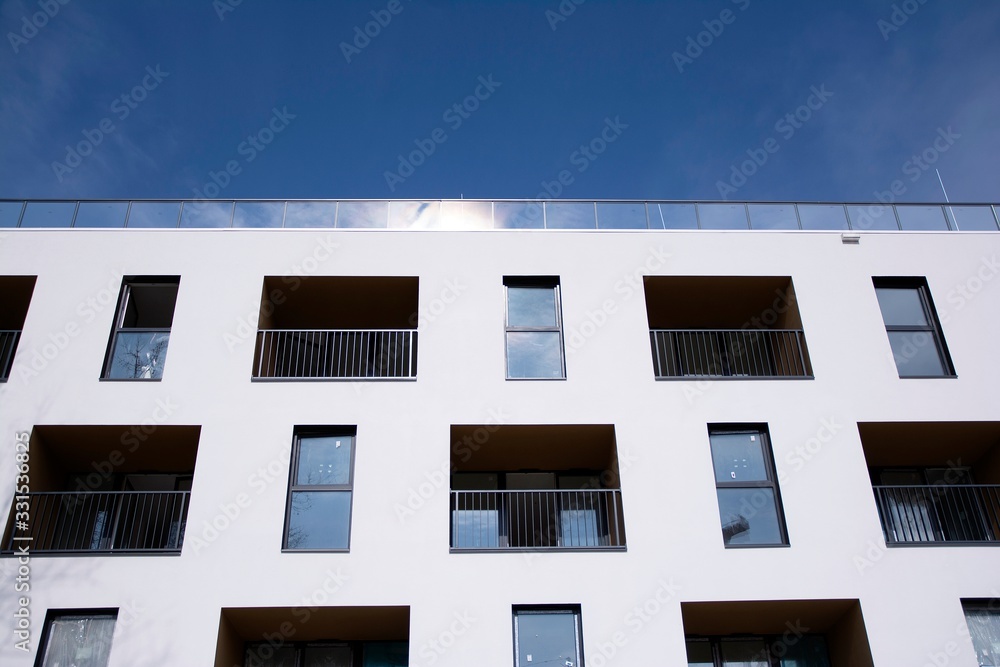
(771, 640)
(534, 282)
(932, 328)
(52, 614)
(991, 606)
(539, 609)
(357, 647)
(761, 431)
(118, 326)
(297, 437)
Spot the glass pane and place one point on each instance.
(984, 626)
(79, 640)
(916, 354)
(266, 655)
(362, 215)
(722, 216)
(311, 214)
(466, 215)
(534, 354)
(258, 214)
(150, 306)
(972, 218)
(202, 214)
(324, 460)
(48, 214)
(874, 216)
(138, 356)
(738, 457)
(319, 520)
(699, 654)
(547, 639)
(531, 307)
(773, 216)
(672, 216)
(806, 651)
(327, 656)
(476, 528)
(517, 215)
(578, 524)
(921, 218)
(822, 216)
(414, 214)
(901, 306)
(101, 214)
(386, 654)
(749, 516)
(621, 215)
(744, 653)
(153, 214)
(10, 211)
(570, 216)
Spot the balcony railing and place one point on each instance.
(102, 522)
(336, 354)
(537, 520)
(940, 514)
(8, 344)
(729, 353)
(473, 214)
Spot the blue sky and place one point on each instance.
(643, 100)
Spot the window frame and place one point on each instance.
(537, 610)
(770, 640)
(932, 328)
(53, 614)
(357, 647)
(117, 327)
(297, 437)
(534, 282)
(761, 431)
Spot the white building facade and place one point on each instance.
(499, 433)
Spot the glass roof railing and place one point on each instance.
(474, 214)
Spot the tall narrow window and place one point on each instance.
(138, 347)
(534, 329)
(749, 504)
(80, 638)
(918, 347)
(320, 490)
(547, 636)
(983, 619)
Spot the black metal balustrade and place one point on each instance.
(336, 354)
(8, 343)
(940, 514)
(590, 519)
(730, 353)
(101, 522)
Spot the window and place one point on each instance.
(547, 636)
(328, 654)
(319, 491)
(138, 347)
(749, 504)
(77, 638)
(759, 651)
(983, 619)
(913, 328)
(534, 329)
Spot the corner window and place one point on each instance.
(918, 347)
(749, 504)
(320, 490)
(77, 638)
(138, 347)
(534, 335)
(983, 619)
(547, 636)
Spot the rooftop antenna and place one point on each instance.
(951, 213)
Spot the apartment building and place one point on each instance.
(499, 433)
